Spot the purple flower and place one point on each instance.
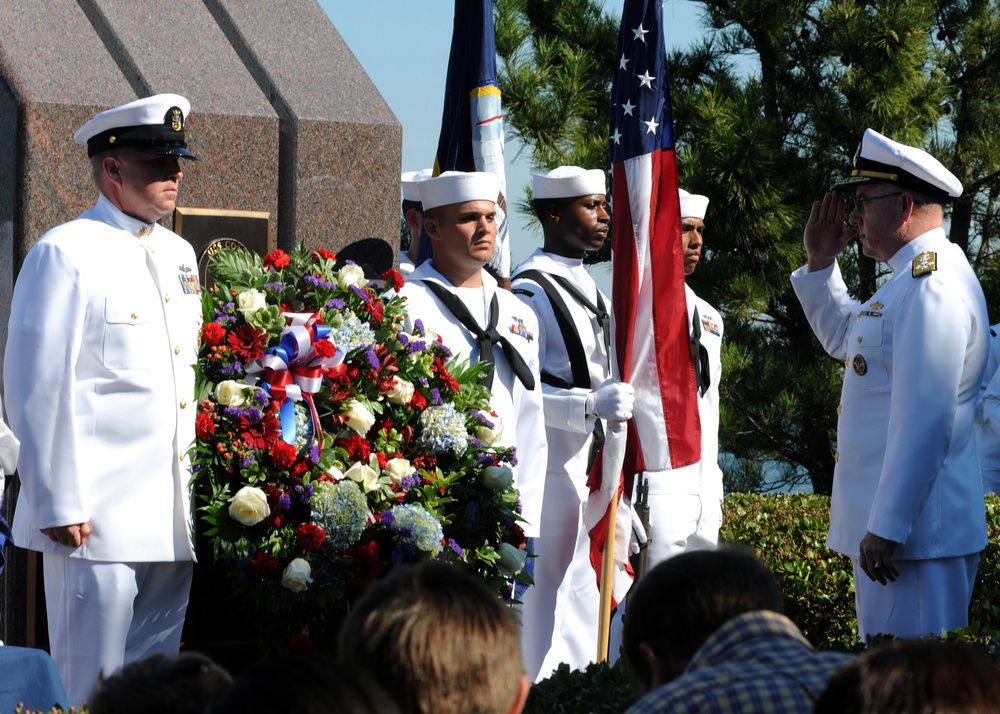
(196, 468)
(472, 514)
(277, 287)
(261, 397)
(436, 396)
(483, 418)
(360, 293)
(456, 548)
(408, 482)
(418, 326)
(335, 303)
(247, 461)
(403, 339)
(319, 282)
(236, 366)
(233, 412)
(284, 502)
(314, 453)
(416, 346)
(254, 414)
(372, 358)
(387, 518)
(423, 381)
(304, 493)
(322, 576)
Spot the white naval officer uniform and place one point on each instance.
(99, 381)
(907, 468)
(519, 409)
(561, 610)
(685, 504)
(988, 418)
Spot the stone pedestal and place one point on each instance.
(284, 120)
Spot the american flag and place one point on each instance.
(651, 343)
(471, 136)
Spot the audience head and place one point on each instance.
(912, 677)
(305, 684)
(682, 601)
(186, 683)
(436, 637)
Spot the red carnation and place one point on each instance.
(264, 564)
(358, 449)
(445, 376)
(382, 459)
(212, 334)
(204, 426)
(364, 567)
(261, 434)
(283, 454)
(325, 348)
(247, 343)
(419, 401)
(393, 279)
(277, 259)
(310, 537)
(324, 253)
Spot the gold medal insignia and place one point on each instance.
(860, 366)
(176, 119)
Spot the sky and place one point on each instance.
(411, 78)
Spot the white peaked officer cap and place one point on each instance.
(409, 180)
(882, 160)
(153, 125)
(458, 187)
(568, 182)
(693, 205)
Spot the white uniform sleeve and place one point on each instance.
(828, 307)
(44, 339)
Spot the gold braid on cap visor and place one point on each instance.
(875, 174)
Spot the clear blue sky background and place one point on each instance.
(403, 46)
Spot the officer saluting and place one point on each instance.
(99, 380)
(907, 501)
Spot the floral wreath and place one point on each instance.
(333, 445)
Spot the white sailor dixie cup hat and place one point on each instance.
(568, 182)
(693, 205)
(408, 181)
(882, 160)
(153, 125)
(458, 187)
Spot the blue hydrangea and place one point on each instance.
(442, 429)
(415, 525)
(340, 510)
(352, 334)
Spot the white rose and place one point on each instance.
(363, 474)
(351, 274)
(251, 300)
(297, 575)
(249, 506)
(397, 468)
(359, 418)
(401, 392)
(511, 559)
(487, 436)
(498, 478)
(229, 393)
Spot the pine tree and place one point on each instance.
(763, 145)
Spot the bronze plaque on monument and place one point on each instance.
(209, 229)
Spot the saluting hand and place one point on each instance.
(825, 236)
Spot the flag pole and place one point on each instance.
(607, 583)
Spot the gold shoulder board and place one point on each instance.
(924, 263)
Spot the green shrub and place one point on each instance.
(788, 532)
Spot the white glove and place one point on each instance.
(612, 400)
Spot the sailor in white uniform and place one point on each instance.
(413, 216)
(685, 504)
(100, 389)
(907, 503)
(452, 289)
(561, 610)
